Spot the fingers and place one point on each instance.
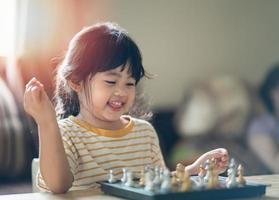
(221, 157)
(221, 154)
(33, 93)
(33, 83)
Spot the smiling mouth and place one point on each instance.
(116, 105)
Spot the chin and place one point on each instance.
(113, 117)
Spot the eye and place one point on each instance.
(110, 82)
(130, 84)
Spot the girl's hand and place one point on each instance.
(220, 155)
(36, 102)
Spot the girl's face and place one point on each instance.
(112, 95)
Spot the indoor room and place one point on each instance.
(202, 75)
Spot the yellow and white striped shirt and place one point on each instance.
(93, 152)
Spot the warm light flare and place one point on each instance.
(7, 27)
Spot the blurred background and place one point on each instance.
(210, 59)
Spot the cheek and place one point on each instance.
(132, 96)
(99, 96)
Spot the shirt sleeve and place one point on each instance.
(71, 154)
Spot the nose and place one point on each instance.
(120, 91)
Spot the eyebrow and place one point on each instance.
(113, 74)
(116, 74)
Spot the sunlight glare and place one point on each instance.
(7, 27)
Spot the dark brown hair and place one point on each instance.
(97, 48)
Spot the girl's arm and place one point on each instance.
(54, 166)
(221, 156)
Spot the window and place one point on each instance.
(7, 27)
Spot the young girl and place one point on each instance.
(96, 87)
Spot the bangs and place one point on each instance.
(120, 50)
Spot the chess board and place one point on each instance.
(251, 189)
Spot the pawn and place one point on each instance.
(112, 178)
(157, 180)
(149, 186)
(130, 179)
(166, 181)
(124, 176)
(240, 179)
(231, 180)
(142, 178)
(186, 183)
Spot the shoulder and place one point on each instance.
(67, 126)
(142, 123)
(144, 127)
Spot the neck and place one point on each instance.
(100, 123)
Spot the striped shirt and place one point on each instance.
(93, 152)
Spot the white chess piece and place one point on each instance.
(166, 183)
(112, 178)
(157, 180)
(201, 182)
(206, 170)
(231, 181)
(149, 186)
(124, 176)
(130, 180)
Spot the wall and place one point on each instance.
(184, 41)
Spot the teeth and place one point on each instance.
(116, 103)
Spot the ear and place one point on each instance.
(74, 86)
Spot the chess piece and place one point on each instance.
(215, 173)
(130, 180)
(240, 179)
(149, 186)
(124, 176)
(161, 174)
(186, 182)
(142, 178)
(201, 175)
(179, 172)
(112, 178)
(210, 180)
(231, 180)
(174, 183)
(157, 180)
(166, 183)
(206, 171)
